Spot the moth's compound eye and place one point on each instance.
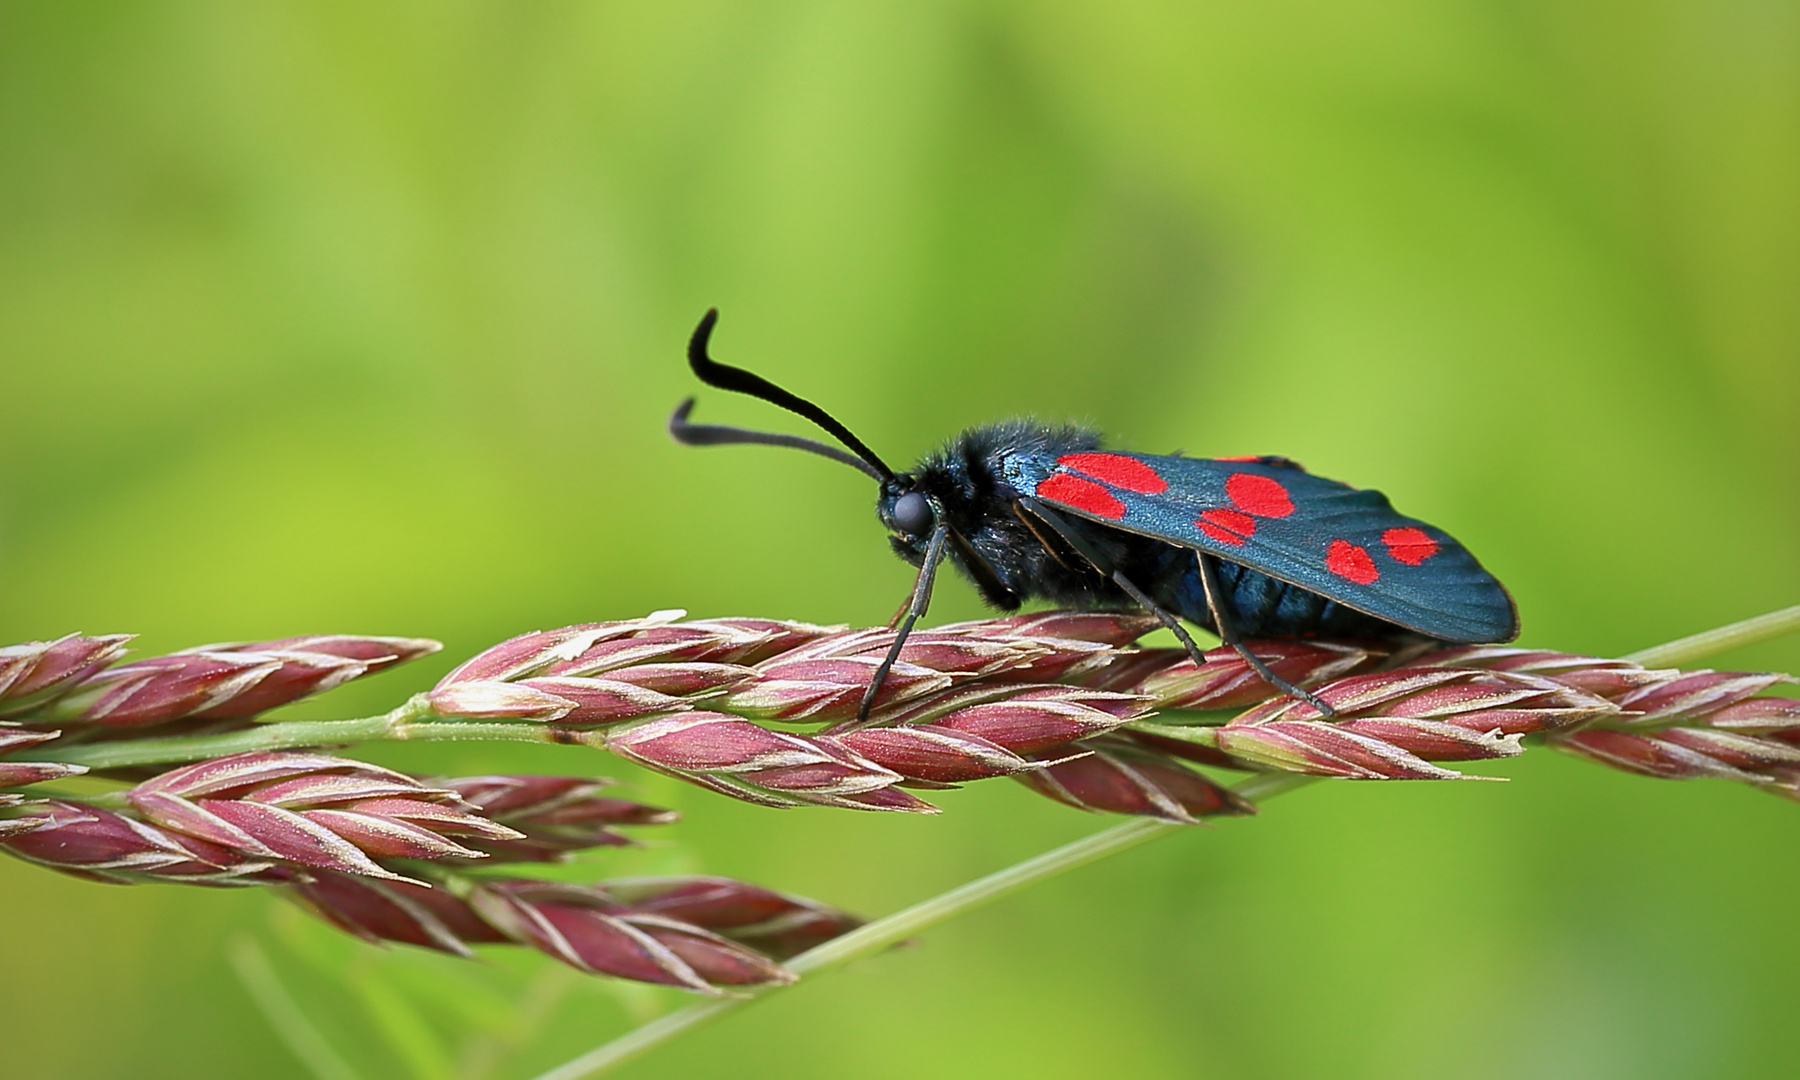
(912, 514)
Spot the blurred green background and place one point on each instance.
(366, 317)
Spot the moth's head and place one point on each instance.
(910, 513)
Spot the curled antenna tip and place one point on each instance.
(702, 334)
(678, 418)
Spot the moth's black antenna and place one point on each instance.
(719, 435)
(739, 381)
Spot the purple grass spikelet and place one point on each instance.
(1172, 681)
(411, 913)
(748, 761)
(555, 815)
(1120, 777)
(35, 673)
(230, 681)
(773, 923)
(99, 845)
(314, 810)
(591, 932)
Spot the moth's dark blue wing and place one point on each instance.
(1267, 514)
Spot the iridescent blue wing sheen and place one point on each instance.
(1267, 514)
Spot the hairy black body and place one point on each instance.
(1012, 557)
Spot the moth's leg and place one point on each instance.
(987, 579)
(1061, 528)
(900, 612)
(1020, 508)
(1104, 566)
(915, 607)
(1209, 579)
(1195, 653)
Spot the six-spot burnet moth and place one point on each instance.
(1244, 547)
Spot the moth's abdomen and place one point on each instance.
(1261, 606)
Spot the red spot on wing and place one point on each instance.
(1410, 546)
(1227, 526)
(1347, 560)
(1117, 470)
(1081, 494)
(1258, 495)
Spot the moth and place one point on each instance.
(1244, 547)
